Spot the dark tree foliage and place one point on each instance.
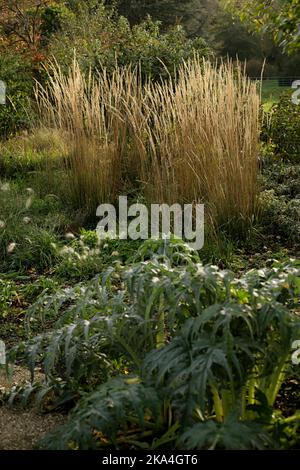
(194, 15)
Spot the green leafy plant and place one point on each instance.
(166, 351)
(280, 216)
(84, 256)
(280, 17)
(280, 200)
(101, 38)
(282, 128)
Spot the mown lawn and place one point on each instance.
(271, 91)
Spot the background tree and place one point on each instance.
(103, 38)
(20, 22)
(27, 25)
(280, 17)
(194, 15)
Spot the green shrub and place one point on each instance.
(280, 216)
(100, 38)
(52, 17)
(16, 114)
(32, 152)
(282, 128)
(282, 177)
(167, 352)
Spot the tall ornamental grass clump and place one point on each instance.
(192, 139)
(92, 111)
(204, 135)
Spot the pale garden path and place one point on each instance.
(21, 429)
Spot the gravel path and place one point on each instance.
(21, 429)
